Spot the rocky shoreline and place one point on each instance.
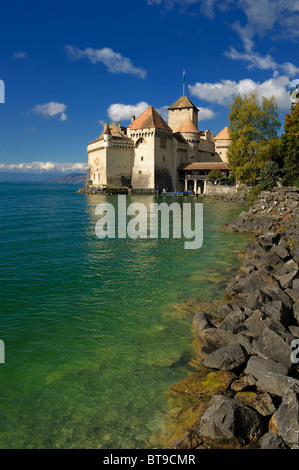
(245, 391)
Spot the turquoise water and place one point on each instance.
(92, 328)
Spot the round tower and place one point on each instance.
(107, 136)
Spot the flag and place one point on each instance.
(184, 76)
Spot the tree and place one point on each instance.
(269, 176)
(253, 130)
(214, 175)
(289, 146)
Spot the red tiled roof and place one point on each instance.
(204, 166)
(187, 126)
(223, 135)
(149, 119)
(114, 131)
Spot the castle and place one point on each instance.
(151, 155)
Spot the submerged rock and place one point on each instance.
(203, 384)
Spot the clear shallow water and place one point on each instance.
(91, 328)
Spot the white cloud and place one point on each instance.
(20, 55)
(124, 112)
(256, 60)
(262, 16)
(205, 114)
(51, 109)
(223, 92)
(114, 61)
(43, 167)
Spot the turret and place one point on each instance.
(107, 136)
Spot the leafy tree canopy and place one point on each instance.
(253, 130)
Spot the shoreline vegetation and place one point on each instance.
(244, 392)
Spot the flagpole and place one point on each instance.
(184, 83)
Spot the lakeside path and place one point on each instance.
(245, 392)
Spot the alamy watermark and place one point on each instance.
(2, 91)
(2, 352)
(295, 351)
(145, 224)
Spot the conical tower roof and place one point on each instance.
(187, 127)
(223, 135)
(149, 119)
(183, 102)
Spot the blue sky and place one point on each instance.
(68, 66)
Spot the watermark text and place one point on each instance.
(2, 352)
(2, 91)
(145, 224)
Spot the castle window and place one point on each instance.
(141, 159)
(139, 171)
(163, 159)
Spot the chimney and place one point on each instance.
(133, 118)
(118, 122)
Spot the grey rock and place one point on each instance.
(280, 251)
(255, 300)
(213, 338)
(247, 340)
(270, 262)
(263, 404)
(201, 322)
(256, 364)
(275, 384)
(274, 343)
(227, 358)
(296, 255)
(294, 330)
(287, 416)
(289, 267)
(234, 321)
(276, 294)
(271, 441)
(285, 280)
(278, 311)
(296, 311)
(243, 383)
(257, 322)
(228, 420)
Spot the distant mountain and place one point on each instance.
(75, 178)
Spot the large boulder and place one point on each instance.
(256, 365)
(229, 358)
(275, 343)
(275, 384)
(286, 418)
(271, 440)
(227, 421)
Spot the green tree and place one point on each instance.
(269, 176)
(289, 145)
(214, 175)
(253, 131)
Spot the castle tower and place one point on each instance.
(222, 143)
(181, 110)
(107, 136)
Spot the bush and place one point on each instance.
(254, 193)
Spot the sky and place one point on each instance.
(66, 67)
